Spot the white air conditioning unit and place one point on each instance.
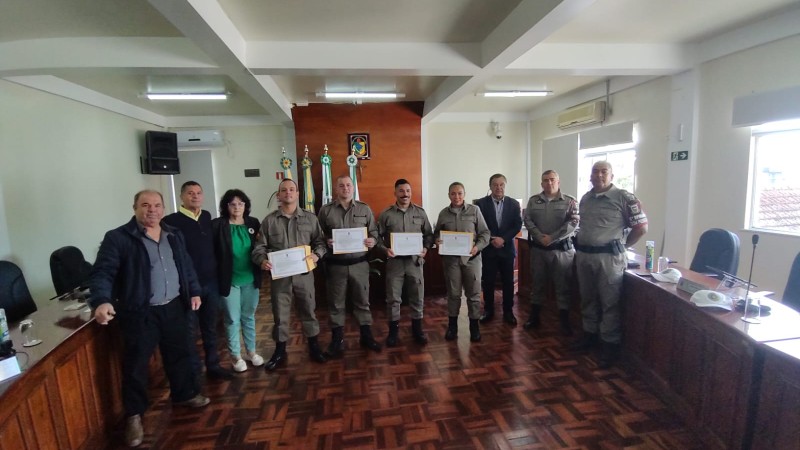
(200, 138)
(594, 112)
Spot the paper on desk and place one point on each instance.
(9, 367)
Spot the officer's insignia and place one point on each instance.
(634, 208)
(539, 201)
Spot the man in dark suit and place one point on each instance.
(502, 215)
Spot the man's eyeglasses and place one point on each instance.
(236, 205)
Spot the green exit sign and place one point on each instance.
(682, 155)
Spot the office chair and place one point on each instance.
(717, 249)
(791, 295)
(69, 269)
(15, 297)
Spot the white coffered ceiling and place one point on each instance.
(272, 54)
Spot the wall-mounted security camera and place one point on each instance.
(498, 133)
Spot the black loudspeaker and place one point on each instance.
(161, 153)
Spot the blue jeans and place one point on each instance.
(240, 317)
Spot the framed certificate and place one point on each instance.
(349, 240)
(291, 261)
(406, 244)
(455, 243)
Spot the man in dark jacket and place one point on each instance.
(503, 217)
(195, 224)
(144, 276)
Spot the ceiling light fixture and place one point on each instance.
(361, 95)
(516, 93)
(222, 96)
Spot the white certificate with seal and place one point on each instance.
(455, 243)
(349, 240)
(406, 244)
(291, 261)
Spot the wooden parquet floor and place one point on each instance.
(514, 389)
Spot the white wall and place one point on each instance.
(470, 153)
(253, 147)
(69, 172)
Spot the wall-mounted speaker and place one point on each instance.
(161, 153)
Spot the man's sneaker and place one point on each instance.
(134, 434)
(240, 365)
(198, 401)
(255, 359)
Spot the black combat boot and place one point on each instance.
(608, 355)
(587, 341)
(563, 320)
(336, 347)
(367, 341)
(452, 328)
(416, 331)
(391, 339)
(535, 320)
(314, 352)
(474, 330)
(278, 358)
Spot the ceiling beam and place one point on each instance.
(531, 22)
(206, 24)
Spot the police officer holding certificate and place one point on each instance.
(348, 270)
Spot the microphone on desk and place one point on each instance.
(747, 291)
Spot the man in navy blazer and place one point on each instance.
(503, 216)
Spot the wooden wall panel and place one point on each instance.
(395, 144)
(40, 411)
(71, 390)
(11, 437)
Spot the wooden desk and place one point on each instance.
(777, 416)
(707, 361)
(68, 396)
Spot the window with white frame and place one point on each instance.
(622, 158)
(774, 182)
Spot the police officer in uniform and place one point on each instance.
(611, 219)
(463, 273)
(350, 269)
(551, 218)
(287, 227)
(404, 271)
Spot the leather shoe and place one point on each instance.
(218, 373)
(134, 434)
(198, 401)
(510, 319)
(486, 317)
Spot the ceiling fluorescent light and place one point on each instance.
(517, 93)
(187, 96)
(363, 95)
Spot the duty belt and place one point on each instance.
(563, 244)
(347, 261)
(608, 248)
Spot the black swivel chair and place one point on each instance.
(791, 295)
(15, 298)
(717, 249)
(69, 269)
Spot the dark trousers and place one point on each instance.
(490, 268)
(163, 326)
(206, 319)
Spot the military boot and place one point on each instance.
(314, 352)
(367, 341)
(336, 347)
(474, 330)
(534, 320)
(416, 331)
(452, 329)
(391, 338)
(278, 358)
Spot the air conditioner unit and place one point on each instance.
(594, 112)
(200, 138)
